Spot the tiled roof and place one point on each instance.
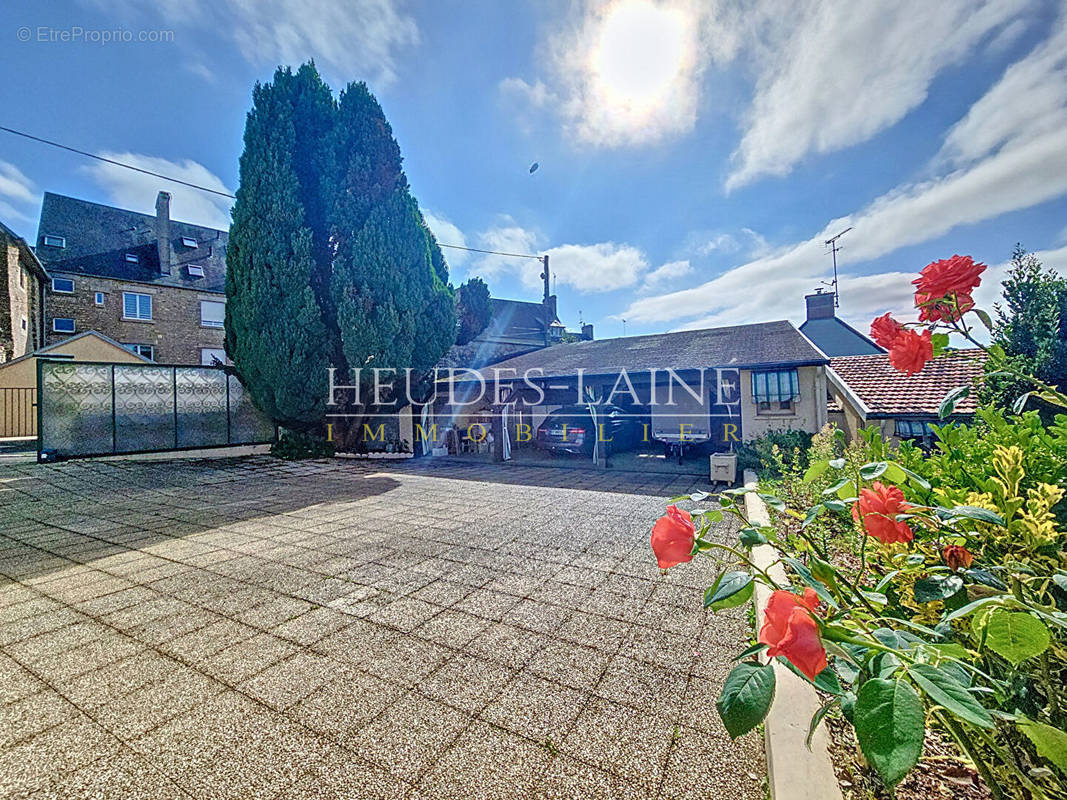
(24, 247)
(889, 393)
(98, 237)
(764, 344)
(835, 337)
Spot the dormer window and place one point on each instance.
(195, 271)
(188, 241)
(132, 258)
(54, 241)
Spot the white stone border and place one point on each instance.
(792, 770)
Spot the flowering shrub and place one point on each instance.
(951, 608)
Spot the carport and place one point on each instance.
(717, 386)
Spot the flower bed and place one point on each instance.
(928, 601)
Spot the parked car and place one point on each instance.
(570, 429)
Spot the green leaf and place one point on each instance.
(948, 693)
(815, 469)
(948, 405)
(873, 470)
(1016, 635)
(940, 342)
(750, 651)
(750, 537)
(1050, 743)
(986, 319)
(977, 514)
(985, 577)
(835, 505)
(894, 473)
(732, 589)
(837, 463)
(1020, 403)
(825, 681)
(836, 487)
(774, 502)
(848, 491)
(817, 717)
(746, 697)
(699, 497)
(937, 587)
(916, 478)
(890, 724)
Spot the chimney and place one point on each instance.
(820, 305)
(587, 332)
(163, 231)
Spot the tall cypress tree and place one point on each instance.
(274, 328)
(330, 261)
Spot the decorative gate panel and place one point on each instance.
(92, 409)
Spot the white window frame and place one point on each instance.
(139, 317)
(189, 241)
(99, 298)
(53, 241)
(133, 258)
(212, 324)
(199, 271)
(205, 350)
(56, 320)
(136, 348)
(63, 291)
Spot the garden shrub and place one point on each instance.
(774, 452)
(949, 609)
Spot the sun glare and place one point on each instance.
(640, 54)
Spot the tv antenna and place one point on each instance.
(624, 327)
(834, 247)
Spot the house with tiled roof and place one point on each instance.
(154, 284)
(23, 282)
(866, 390)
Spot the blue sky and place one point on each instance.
(693, 154)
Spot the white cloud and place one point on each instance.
(137, 191)
(836, 79)
(594, 268)
(17, 193)
(668, 273)
(772, 287)
(446, 233)
(623, 72)
(353, 40)
(1029, 101)
(586, 268)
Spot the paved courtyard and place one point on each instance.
(251, 628)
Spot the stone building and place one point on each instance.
(23, 282)
(153, 284)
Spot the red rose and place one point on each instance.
(790, 630)
(885, 330)
(943, 309)
(957, 557)
(956, 275)
(672, 538)
(877, 508)
(910, 351)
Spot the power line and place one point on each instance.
(113, 162)
(490, 252)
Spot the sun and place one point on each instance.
(640, 55)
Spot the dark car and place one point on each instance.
(570, 429)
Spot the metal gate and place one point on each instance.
(93, 408)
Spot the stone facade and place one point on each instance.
(175, 332)
(21, 284)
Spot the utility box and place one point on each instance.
(724, 468)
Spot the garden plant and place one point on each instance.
(928, 590)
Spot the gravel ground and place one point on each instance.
(258, 628)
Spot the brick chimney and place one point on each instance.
(820, 305)
(163, 231)
(587, 332)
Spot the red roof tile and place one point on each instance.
(888, 393)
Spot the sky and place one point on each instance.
(694, 155)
